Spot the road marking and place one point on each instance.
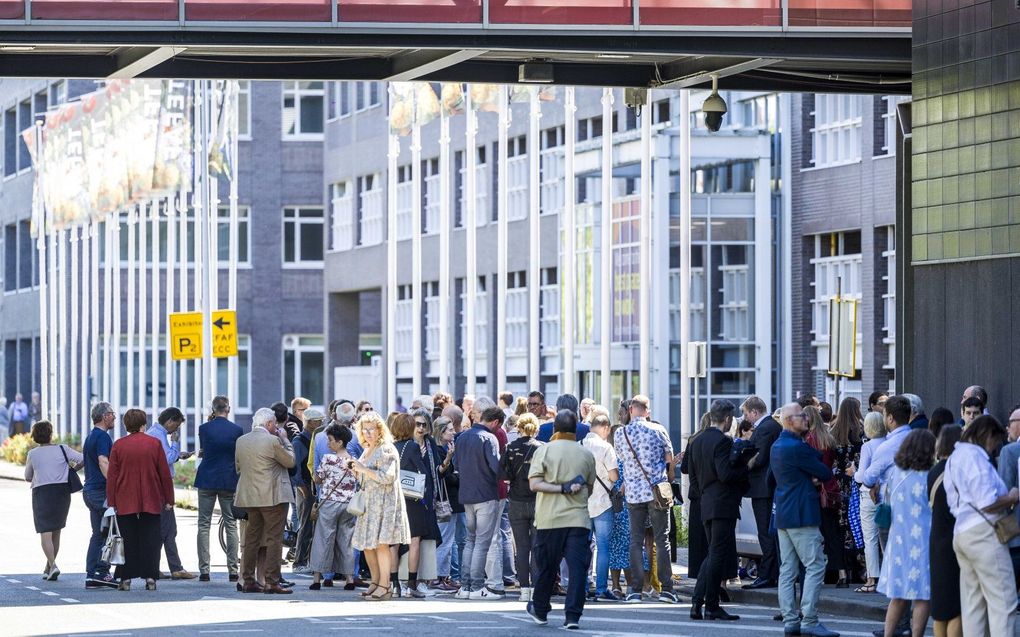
(32, 588)
(71, 600)
(13, 581)
(233, 630)
(50, 593)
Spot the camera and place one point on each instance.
(714, 108)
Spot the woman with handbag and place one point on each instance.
(449, 511)
(383, 521)
(945, 570)
(52, 470)
(979, 500)
(515, 464)
(819, 439)
(418, 481)
(139, 487)
(334, 525)
(905, 574)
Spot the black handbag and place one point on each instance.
(73, 479)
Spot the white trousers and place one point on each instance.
(987, 589)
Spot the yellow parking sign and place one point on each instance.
(224, 333)
(185, 335)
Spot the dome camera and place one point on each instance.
(714, 108)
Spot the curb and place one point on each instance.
(874, 611)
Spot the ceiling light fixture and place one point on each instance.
(16, 48)
(613, 56)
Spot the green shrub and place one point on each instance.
(680, 524)
(184, 472)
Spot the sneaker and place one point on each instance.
(103, 581)
(301, 569)
(818, 630)
(608, 596)
(403, 591)
(446, 585)
(463, 593)
(510, 582)
(668, 598)
(53, 574)
(486, 593)
(526, 594)
(204, 577)
(424, 590)
(538, 619)
(633, 598)
(571, 624)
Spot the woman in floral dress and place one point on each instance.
(331, 547)
(384, 522)
(847, 429)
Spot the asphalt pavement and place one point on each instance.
(31, 606)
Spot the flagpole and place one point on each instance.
(54, 399)
(82, 399)
(501, 241)
(169, 365)
(111, 246)
(117, 366)
(606, 284)
(132, 292)
(416, 231)
(94, 351)
(64, 239)
(534, 243)
(568, 300)
(155, 265)
(72, 369)
(391, 260)
(471, 242)
(686, 412)
(40, 223)
(445, 382)
(233, 381)
(143, 295)
(645, 233)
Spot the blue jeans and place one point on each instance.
(96, 502)
(482, 522)
(801, 546)
(460, 540)
(602, 527)
(444, 553)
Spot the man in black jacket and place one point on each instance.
(766, 432)
(722, 487)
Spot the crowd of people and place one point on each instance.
(472, 497)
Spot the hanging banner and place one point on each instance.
(427, 104)
(402, 108)
(485, 97)
(452, 99)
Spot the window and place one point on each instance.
(433, 321)
(885, 132)
(24, 121)
(836, 136)
(591, 128)
(303, 113)
(430, 200)
(517, 178)
(758, 112)
(223, 236)
(58, 93)
(370, 210)
(244, 109)
(889, 298)
(40, 104)
(366, 95)
(551, 171)
(460, 186)
(549, 320)
(403, 320)
(10, 257)
(26, 255)
(10, 142)
(661, 112)
(342, 200)
(242, 402)
(352, 97)
(304, 367)
(404, 202)
(517, 312)
(303, 229)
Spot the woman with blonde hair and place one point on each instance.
(515, 464)
(384, 523)
(820, 439)
(874, 431)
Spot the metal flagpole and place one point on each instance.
(470, 243)
(81, 407)
(111, 246)
(94, 351)
(568, 300)
(143, 295)
(72, 369)
(233, 385)
(54, 399)
(64, 238)
(416, 231)
(157, 363)
(687, 414)
(645, 249)
(40, 223)
(534, 243)
(132, 292)
(445, 382)
(169, 365)
(187, 217)
(502, 158)
(606, 254)
(205, 381)
(117, 310)
(391, 263)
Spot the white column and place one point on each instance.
(647, 276)
(445, 378)
(205, 381)
(132, 308)
(156, 215)
(391, 266)
(143, 306)
(169, 365)
(56, 375)
(233, 383)
(497, 384)
(117, 307)
(786, 250)
(184, 295)
(470, 243)
(40, 220)
(94, 372)
(84, 370)
(763, 278)
(686, 413)
(64, 238)
(72, 369)
(606, 253)
(659, 312)
(568, 283)
(416, 232)
(112, 247)
(534, 244)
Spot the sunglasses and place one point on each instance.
(420, 423)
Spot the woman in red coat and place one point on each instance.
(139, 487)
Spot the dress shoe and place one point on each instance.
(760, 583)
(327, 583)
(277, 590)
(285, 583)
(696, 612)
(204, 577)
(253, 587)
(233, 577)
(724, 595)
(182, 574)
(720, 614)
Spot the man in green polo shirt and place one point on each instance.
(562, 474)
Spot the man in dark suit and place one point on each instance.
(216, 480)
(766, 431)
(722, 485)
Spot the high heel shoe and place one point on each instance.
(150, 584)
(371, 589)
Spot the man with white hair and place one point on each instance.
(262, 460)
(918, 419)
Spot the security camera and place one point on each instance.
(714, 108)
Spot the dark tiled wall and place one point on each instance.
(966, 130)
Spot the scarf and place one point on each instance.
(562, 435)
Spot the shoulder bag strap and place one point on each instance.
(64, 453)
(637, 459)
(608, 490)
(934, 489)
(527, 459)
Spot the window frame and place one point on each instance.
(292, 88)
(300, 346)
(300, 264)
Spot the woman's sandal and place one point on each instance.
(867, 588)
(380, 598)
(371, 589)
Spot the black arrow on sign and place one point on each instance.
(220, 323)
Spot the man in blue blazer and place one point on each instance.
(568, 402)
(217, 479)
(798, 469)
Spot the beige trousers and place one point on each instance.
(987, 593)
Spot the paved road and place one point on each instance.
(33, 607)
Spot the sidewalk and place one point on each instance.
(834, 601)
(189, 497)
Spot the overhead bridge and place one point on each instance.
(809, 45)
